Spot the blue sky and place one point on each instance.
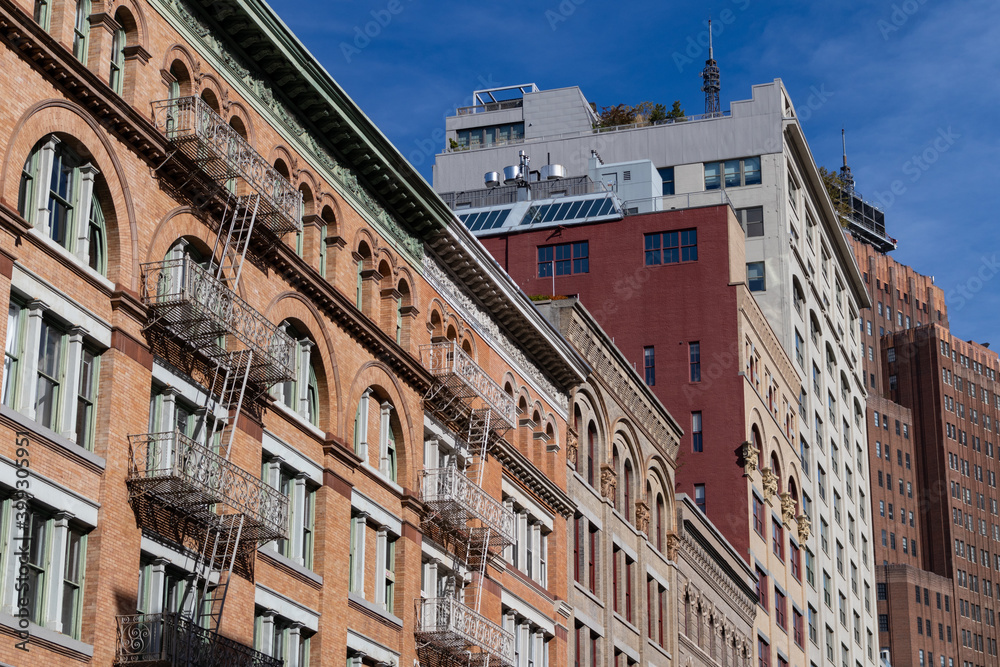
(915, 83)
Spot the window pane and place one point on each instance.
(712, 176)
(732, 172)
(751, 171)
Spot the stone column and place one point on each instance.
(294, 639)
(360, 523)
(267, 631)
(29, 373)
(46, 158)
(298, 502)
(55, 570)
(88, 173)
(71, 382)
(383, 437)
(362, 427)
(381, 548)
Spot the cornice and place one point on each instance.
(531, 477)
(722, 581)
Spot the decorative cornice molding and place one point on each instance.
(717, 578)
(533, 478)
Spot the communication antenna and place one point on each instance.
(710, 76)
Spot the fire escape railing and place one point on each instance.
(462, 507)
(173, 640)
(214, 319)
(462, 383)
(190, 478)
(449, 624)
(218, 149)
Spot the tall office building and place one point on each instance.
(798, 266)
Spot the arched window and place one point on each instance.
(617, 466)
(59, 195)
(591, 453)
(758, 445)
(362, 258)
(81, 30)
(776, 469)
(180, 86)
(386, 429)
(659, 522)
(328, 221)
(300, 394)
(116, 78)
(307, 212)
(627, 491)
(237, 124)
(404, 302)
(42, 11)
(798, 296)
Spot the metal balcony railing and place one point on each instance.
(454, 500)
(452, 628)
(219, 150)
(462, 378)
(490, 106)
(188, 478)
(171, 640)
(206, 313)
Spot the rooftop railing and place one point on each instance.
(175, 641)
(508, 194)
(601, 130)
(491, 106)
(465, 380)
(452, 496)
(189, 477)
(215, 146)
(454, 628)
(203, 311)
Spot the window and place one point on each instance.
(751, 220)
(758, 516)
(281, 638)
(81, 30)
(484, 137)
(58, 387)
(694, 361)
(649, 365)
(779, 609)
(762, 590)
(667, 178)
(756, 280)
(67, 211)
(763, 652)
(778, 539)
(116, 79)
(569, 258)
(797, 628)
(671, 247)
(301, 393)
(696, 434)
(699, 496)
(732, 173)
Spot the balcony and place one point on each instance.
(206, 314)
(455, 633)
(170, 640)
(171, 476)
(454, 500)
(224, 156)
(463, 388)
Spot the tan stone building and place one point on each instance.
(715, 604)
(252, 359)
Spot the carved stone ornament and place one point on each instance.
(609, 481)
(673, 544)
(770, 483)
(804, 525)
(749, 458)
(572, 446)
(787, 509)
(641, 515)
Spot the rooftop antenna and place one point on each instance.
(710, 76)
(845, 172)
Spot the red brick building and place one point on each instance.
(709, 355)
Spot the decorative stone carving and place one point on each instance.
(609, 481)
(572, 446)
(770, 483)
(750, 453)
(804, 525)
(673, 543)
(788, 509)
(641, 516)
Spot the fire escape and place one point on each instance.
(183, 488)
(451, 631)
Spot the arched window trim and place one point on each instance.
(55, 213)
(116, 74)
